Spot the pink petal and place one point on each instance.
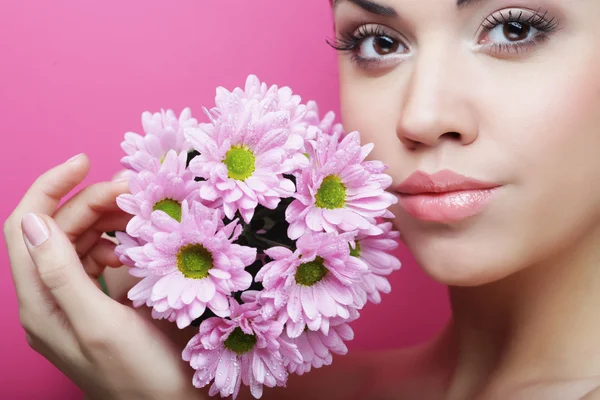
(183, 320)
(196, 308)
(142, 289)
(296, 229)
(294, 329)
(127, 203)
(175, 291)
(162, 287)
(258, 368)
(247, 214)
(339, 292)
(345, 332)
(308, 302)
(371, 204)
(294, 306)
(277, 253)
(205, 289)
(256, 184)
(249, 192)
(313, 219)
(314, 324)
(333, 216)
(136, 225)
(232, 195)
(317, 345)
(294, 210)
(219, 302)
(229, 210)
(342, 311)
(189, 292)
(324, 301)
(219, 273)
(222, 370)
(325, 326)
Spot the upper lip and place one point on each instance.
(441, 182)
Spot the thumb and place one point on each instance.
(61, 271)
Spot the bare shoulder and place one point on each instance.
(386, 375)
(580, 389)
(594, 394)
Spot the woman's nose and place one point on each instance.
(438, 104)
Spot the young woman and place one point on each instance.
(487, 113)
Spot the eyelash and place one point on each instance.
(536, 20)
(350, 41)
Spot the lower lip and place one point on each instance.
(446, 207)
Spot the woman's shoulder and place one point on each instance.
(404, 374)
(571, 389)
(594, 394)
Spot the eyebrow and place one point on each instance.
(379, 9)
(372, 7)
(466, 3)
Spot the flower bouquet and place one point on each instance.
(263, 227)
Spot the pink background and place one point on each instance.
(76, 75)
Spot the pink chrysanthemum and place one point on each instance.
(340, 191)
(163, 132)
(126, 242)
(191, 265)
(317, 348)
(326, 125)
(272, 99)
(163, 190)
(313, 284)
(243, 158)
(245, 348)
(376, 251)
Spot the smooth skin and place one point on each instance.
(108, 349)
(522, 275)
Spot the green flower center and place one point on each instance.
(355, 252)
(194, 261)
(239, 342)
(171, 207)
(332, 193)
(311, 272)
(240, 163)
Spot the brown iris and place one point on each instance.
(516, 31)
(384, 45)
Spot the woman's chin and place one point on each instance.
(456, 261)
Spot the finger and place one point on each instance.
(60, 270)
(43, 197)
(119, 281)
(122, 174)
(84, 209)
(102, 255)
(116, 221)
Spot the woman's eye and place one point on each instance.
(378, 47)
(511, 32)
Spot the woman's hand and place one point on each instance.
(56, 254)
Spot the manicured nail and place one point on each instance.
(120, 176)
(35, 229)
(74, 157)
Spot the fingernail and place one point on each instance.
(74, 157)
(120, 176)
(35, 229)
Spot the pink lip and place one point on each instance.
(444, 196)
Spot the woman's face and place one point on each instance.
(504, 92)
